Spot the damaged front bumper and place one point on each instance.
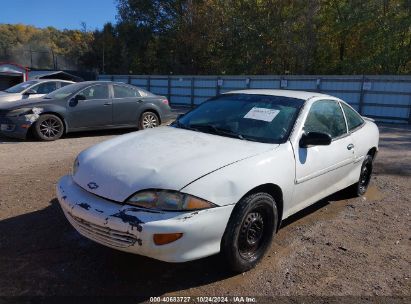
(17, 124)
(16, 127)
(131, 229)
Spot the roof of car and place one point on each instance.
(285, 93)
(44, 80)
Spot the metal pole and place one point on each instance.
(361, 101)
(104, 44)
(54, 60)
(31, 58)
(168, 87)
(192, 92)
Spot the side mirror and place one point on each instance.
(315, 139)
(80, 97)
(74, 101)
(30, 92)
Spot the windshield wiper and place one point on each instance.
(216, 130)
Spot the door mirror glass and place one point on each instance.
(315, 139)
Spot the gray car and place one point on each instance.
(83, 106)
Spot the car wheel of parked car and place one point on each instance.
(359, 188)
(48, 127)
(249, 231)
(149, 120)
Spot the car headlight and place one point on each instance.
(168, 200)
(19, 112)
(76, 164)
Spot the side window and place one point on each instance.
(326, 116)
(45, 88)
(95, 92)
(354, 120)
(124, 92)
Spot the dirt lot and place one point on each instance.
(340, 246)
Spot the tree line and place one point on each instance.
(235, 37)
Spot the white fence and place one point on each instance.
(385, 98)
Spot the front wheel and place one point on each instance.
(148, 120)
(249, 231)
(48, 127)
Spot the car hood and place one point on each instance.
(160, 158)
(21, 103)
(7, 97)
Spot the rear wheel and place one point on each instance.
(48, 127)
(148, 120)
(359, 188)
(249, 231)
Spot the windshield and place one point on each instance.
(64, 91)
(262, 118)
(18, 88)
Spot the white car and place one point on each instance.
(32, 89)
(221, 178)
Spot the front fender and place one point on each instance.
(229, 184)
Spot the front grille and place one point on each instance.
(3, 113)
(103, 235)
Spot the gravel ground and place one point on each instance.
(340, 246)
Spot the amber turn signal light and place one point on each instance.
(166, 238)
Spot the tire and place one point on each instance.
(359, 188)
(148, 120)
(48, 127)
(249, 231)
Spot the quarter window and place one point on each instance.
(354, 120)
(95, 92)
(326, 116)
(125, 92)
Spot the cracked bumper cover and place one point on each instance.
(131, 229)
(12, 127)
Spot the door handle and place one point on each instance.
(108, 103)
(139, 101)
(350, 147)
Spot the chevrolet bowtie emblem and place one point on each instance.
(92, 185)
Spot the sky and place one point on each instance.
(61, 14)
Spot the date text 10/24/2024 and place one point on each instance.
(204, 299)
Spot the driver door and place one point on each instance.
(323, 170)
(93, 109)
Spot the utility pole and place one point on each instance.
(104, 44)
(31, 58)
(54, 60)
